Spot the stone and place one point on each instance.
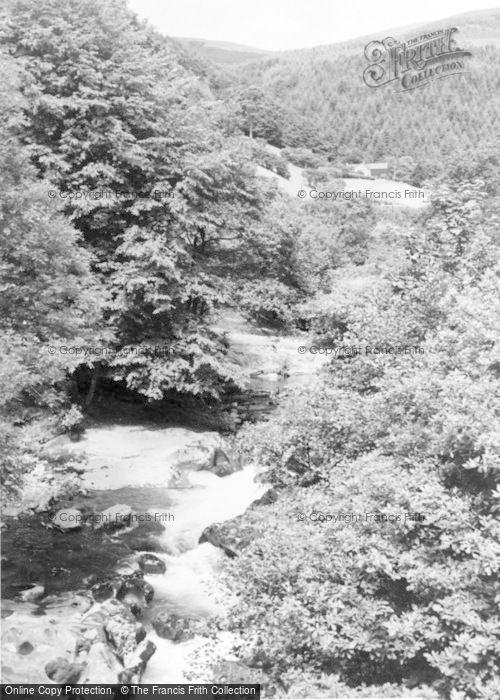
(31, 595)
(114, 518)
(146, 537)
(151, 564)
(199, 453)
(91, 629)
(72, 675)
(68, 519)
(25, 648)
(60, 670)
(141, 542)
(179, 480)
(135, 662)
(101, 665)
(120, 628)
(224, 463)
(171, 626)
(74, 601)
(230, 536)
(56, 667)
(127, 639)
(135, 593)
(102, 591)
(140, 633)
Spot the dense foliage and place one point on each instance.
(350, 583)
(48, 298)
(149, 167)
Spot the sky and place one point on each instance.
(292, 24)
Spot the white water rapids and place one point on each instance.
(189, 586)
(140, 462)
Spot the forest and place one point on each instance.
(318, 100)
(132, 216)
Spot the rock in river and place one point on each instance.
(173, 627)
(151, 564)
(68, 519)
(135, 592)
(103, 591)
(224, 462)
(114, 518)
(231, 536)
(135, 662)
(60, 670)
(199, 452)
(30, 595)
(120, 627)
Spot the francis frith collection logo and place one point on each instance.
(414, 63)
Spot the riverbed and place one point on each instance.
(164, 475)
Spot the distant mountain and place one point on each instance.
(223, 52)
(322, 102)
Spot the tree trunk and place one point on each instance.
(93, 384)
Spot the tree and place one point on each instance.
(132, 141)
(260, 115)
(50, 300)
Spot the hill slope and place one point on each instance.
(223, 52)
(325, 105)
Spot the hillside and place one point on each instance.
(320, 101)
(223, 52)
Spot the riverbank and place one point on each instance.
(80, 564)
(81, 603)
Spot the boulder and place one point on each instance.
(151, 564)
(102, 591)
(32, 594)
(60, 670)
(199, 453)
(130, 589)
(114, 518)
(120, 628)
(135, 662)
(145, 537)
(91, 629)
(101, 666)
(127, 639)
(171, 626)
(25, 648)
(68, 519)
(179, 480)
(230, 536)
(224, 462)
(135, 593)
(140, 633)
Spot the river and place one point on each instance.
(158, 472)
